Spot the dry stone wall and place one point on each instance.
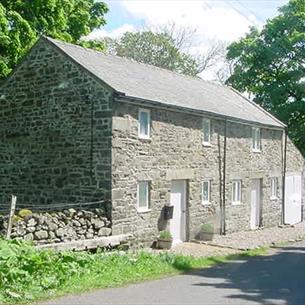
(54, 227)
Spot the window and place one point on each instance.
(256, 139)
(236, 192)
(206, 132)
(273, 188)
(206, 189)
(144, 124)
(143, 196)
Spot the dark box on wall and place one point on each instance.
(168, 212)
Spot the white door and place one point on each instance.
(293, 199)
(255, 203)
(178, 201)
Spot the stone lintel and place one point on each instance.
(179, 174)
(121, 124)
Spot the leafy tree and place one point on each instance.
(21, 21)
(156, 49)
(270, 65)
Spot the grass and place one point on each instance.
(27, 274)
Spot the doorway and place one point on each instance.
(255, 218)
(178, 201)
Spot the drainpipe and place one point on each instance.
(285, 135)
(91, 135)
(223, 229)
(220, 182)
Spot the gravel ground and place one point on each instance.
(199, 250)
(240, 241)
(262, 237)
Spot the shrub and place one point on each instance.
(22, 267)
(207, 228)
(166, 235)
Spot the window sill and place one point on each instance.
(206, 144)
(144, 139)
(236, 203)
(273, 198)
(143, 211)
(256, 150)
(204, 203)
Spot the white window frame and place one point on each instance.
(236, 191)
(256, 139)
(273, 188)
(205, 202)
(144, 136)
(208, 121)
(147, 207)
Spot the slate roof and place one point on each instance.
(159, 85)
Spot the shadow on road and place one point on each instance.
(272, 279)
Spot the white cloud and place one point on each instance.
(212, 22)
(115, 33)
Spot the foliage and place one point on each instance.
(22, 21)
(16, 218)
(28, 274)
(92, 44)
(24, 212)
(157, 49)
(165, 235)
(25, 271)
(207, 228)
(270, 64)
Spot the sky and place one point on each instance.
(213, 20)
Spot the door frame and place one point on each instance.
(259, 204)
(185, 235)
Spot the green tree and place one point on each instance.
(158, 49)
(270, 65)
(22, 21)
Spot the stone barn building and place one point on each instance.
(78, 125)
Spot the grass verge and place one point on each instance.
(27, 274)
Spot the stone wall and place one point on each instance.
(54, 227)
(175, 148)
(295, 161)
(55, 132)
(246, 165)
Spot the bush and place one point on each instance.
(207, 228)
(24, 269)
(27, 274)
(166, 235)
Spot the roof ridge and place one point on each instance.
(135, 62)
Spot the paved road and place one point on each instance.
(278, 278)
